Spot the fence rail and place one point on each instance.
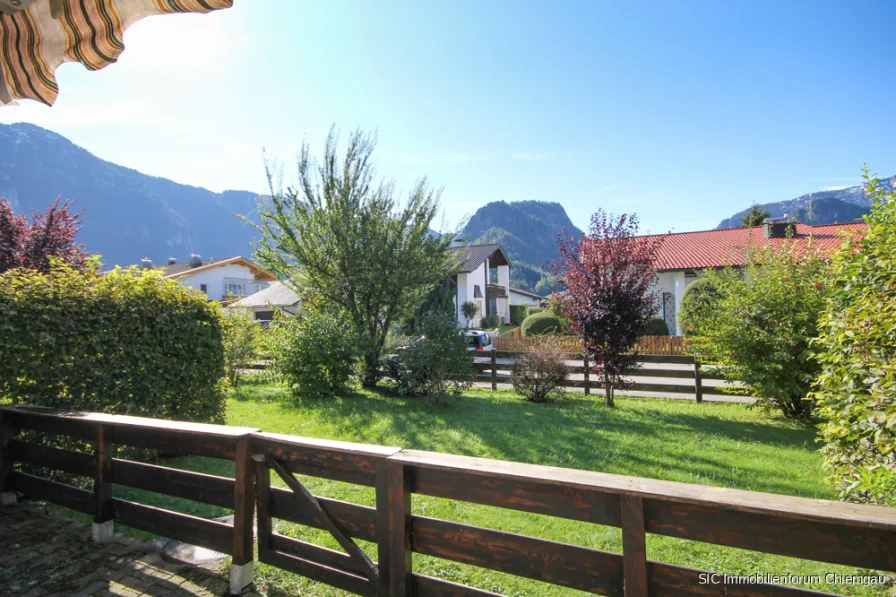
(490, 369)
(513, 341)
(836, 533)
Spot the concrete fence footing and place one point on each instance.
(241, 577)
(102, 531)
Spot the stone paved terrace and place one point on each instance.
(44, 554)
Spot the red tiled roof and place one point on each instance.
(715, 248)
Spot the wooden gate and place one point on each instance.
(285, 456)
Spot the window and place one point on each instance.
(203, 288)
(236, 289)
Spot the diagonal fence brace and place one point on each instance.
(323, 518)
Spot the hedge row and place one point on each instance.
(128, 342)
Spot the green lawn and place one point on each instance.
(506, 328)
(713, 444)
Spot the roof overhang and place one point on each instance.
(259, 272)
(498, 258)
(526, 293)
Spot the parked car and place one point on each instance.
(478, 340)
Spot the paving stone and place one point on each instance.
(53, 555)
(92, 589)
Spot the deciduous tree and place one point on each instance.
(349, 244)
(607, 274)
(49, 234)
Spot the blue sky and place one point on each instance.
(683, 112)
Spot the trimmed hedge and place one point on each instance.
(128, 342)
(542, 323)
(518, 313)
(656, 327)
(698, 299)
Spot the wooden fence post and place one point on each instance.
(698, 381)
(494, 370)
(102, 527)
(393, 530)
(587, 374)
(262, 504)
(7, 496)
(634, 547)
(242, 567)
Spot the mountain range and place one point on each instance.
(527, 230)
(129, 215)
(836, 206)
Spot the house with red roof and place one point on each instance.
(682, 256)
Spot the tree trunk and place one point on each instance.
(608, 390)
(371, 371)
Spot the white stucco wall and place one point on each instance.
(213, 278)
(522, 299)
(466, 288)
(675, 283)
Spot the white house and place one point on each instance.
(682, 256)
(276, 297)
(524, 297)
(220, 279)
(483, 279)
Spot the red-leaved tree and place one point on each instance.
(49, 234)
(607, 274)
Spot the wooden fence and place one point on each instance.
(490, 369)
(649, 345)
(820, 530)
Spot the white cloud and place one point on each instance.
(837, 188)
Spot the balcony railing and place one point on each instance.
(239, 288)
(820, 530)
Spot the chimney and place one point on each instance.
(172, 260)
(778, 227)
(145, 263)
(195, 260)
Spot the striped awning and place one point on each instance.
(36, 36)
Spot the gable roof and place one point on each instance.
(526, 293)
(182, 269)
(277, 294)
(718, 248)
(472, 256)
